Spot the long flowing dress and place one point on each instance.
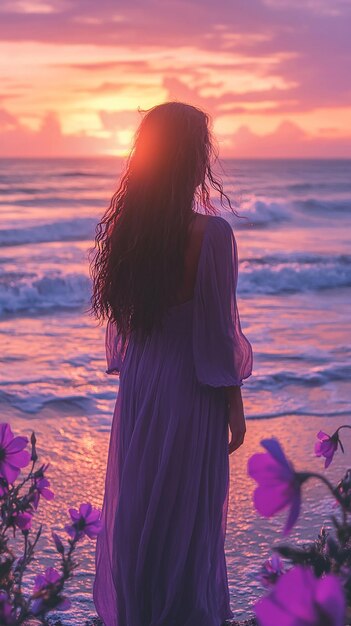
(160, 559)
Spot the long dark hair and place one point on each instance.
(138, 259)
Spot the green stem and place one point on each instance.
(343, 426)
(23, 564)
(306, 475)
(334, 491)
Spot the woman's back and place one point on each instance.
(191, 258)
(161, 558)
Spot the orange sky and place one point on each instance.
(273, 74)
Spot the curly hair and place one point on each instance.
(137, 262)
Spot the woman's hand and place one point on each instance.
(236, 419)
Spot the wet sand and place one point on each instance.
(77, 454)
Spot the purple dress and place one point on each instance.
(160, 559)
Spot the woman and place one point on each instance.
(165, 277)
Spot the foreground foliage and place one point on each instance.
(312, 585)
(19, 502)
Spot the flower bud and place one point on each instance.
(33, 440)
(58, 543)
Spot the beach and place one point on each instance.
(77, 455)
(293, 292)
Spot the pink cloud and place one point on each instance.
(17, 140)
(288, 140)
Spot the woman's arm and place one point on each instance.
(236, 417)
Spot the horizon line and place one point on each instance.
(224, 158)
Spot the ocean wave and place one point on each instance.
(262, 213)
(29, 293)
(31, 396)
(35, 402)
(312, 377)
(30, 399)
(78, 229)
(277, 274)
(65, 200)
(24, 292)
(329, 186)
(302, 412)
(81, 174)
(319, 206)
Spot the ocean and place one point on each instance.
(294, 301)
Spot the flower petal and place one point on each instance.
(268, 502)
(276, 451)
(266, 470)
(294, 593)
(39, 582)
(85, 510)
(52, 575)
(71, 530)
(36, 606)
(93, 530)
(293, 513)
(269, 613)
(19, 459)
(328, 460)
(75, 515)
(47, 494)
(330, 596)
(23, 521)
(16, 445)
(93, 517)
(5, 435)
(9, 472)
(318, 448)
(322, 436)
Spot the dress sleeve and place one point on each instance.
(115, 348)
(222, 354)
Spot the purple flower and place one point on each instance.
(271, 570)
(279, 486)
(6, 615)
(23, 520)
(301, 599)
(86, 521)
(45, 586)
(326, 446)
(41, 489)
(12, 455)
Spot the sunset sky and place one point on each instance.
(273, 74)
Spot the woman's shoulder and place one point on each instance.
(213, 231)
(219, 230)
(218, 221)
(221, 222)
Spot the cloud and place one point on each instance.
(17, 140)
(38, 7)
(288, 140)
(265, 61)
(119, 120)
